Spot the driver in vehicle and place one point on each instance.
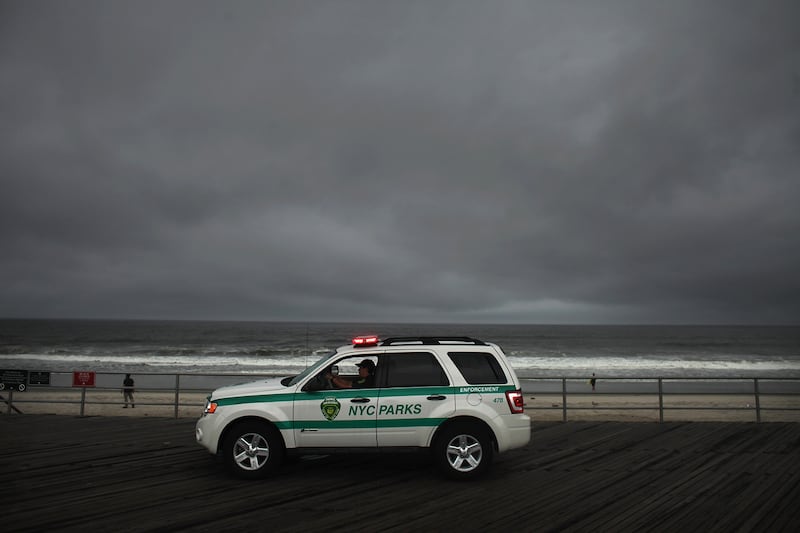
(365, 378)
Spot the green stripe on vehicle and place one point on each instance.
(366, 393)
(409, 422)
(259, 398)
(361, 424)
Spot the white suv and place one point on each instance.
(457, 396)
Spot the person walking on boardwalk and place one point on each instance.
(592, 381)
(127, 391)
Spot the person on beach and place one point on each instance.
(592, 381)
(365, 379)
(127, 391)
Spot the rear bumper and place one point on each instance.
(515, 432)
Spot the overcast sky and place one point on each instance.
(446, 161)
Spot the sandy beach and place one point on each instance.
(541, 407)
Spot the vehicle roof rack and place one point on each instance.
(432, 340)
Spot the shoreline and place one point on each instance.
(112, 380)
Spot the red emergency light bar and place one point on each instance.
(365, 340)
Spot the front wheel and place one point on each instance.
(463, 451)
(252, 450)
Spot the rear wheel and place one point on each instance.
(463, 451)
(252, 450)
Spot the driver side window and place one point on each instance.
(347, 367)
(355, 372)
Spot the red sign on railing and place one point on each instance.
(83, 379)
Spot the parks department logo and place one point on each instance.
(330, 408)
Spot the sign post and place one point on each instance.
(13, 380)
(38, 378)
(83, 380)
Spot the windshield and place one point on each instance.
(311, 370)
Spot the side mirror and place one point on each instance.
(318, 382)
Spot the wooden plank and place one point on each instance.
(134, 474)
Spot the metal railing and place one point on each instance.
(166, 394)
(179, 395)
(658, 395)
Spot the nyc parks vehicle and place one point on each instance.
(456, 396)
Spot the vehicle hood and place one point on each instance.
(263, 386)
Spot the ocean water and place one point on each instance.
(190, 347)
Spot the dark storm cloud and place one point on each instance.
(447, 161)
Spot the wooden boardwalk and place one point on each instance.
(147, 474)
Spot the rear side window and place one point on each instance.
(478, 367)
(416, 369)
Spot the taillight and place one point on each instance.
(515, 401)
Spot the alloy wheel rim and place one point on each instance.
(464, 453)
(251, 451)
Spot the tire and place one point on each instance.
(463, 451)
(252, 450)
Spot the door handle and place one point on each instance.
(437, 397)
(359, 400)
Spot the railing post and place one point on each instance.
(660, 402)
(563, 399)
(177, 393)
(10, 399)
(758, 400)
(83, 399)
